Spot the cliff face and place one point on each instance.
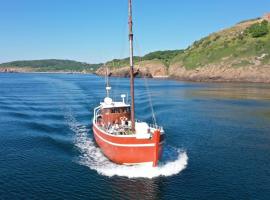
(210, 73)
(222, 74)
(240, 53)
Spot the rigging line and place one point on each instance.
(150, 102)
(123, 47)
(146, 85)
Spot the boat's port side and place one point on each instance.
(129, 150)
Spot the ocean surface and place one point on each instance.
(217, 143)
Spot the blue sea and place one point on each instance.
(217, 142)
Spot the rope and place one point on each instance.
(150, 101)
(147, 87)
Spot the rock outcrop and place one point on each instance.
(151, 69)
(14, 69)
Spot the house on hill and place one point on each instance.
(267, 17)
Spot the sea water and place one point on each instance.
(217, 140)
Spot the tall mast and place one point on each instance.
(131, 66)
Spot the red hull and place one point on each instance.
(129, 150)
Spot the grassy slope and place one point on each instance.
(234, 45)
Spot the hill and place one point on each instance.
(49, 65)
(239, 53)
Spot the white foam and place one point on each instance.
(92, 157)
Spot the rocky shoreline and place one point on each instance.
(252, 74)
(14, 70)
(224, 74)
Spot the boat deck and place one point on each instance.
(117, 129)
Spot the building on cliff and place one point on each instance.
(267, 17)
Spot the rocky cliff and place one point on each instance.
(151, 69)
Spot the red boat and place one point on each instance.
(121, 138)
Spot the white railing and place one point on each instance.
(154, 126)
(96, 110)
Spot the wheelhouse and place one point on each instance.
(114, 115)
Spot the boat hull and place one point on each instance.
(129, 150)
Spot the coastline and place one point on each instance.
(210, 73)
(208, 79)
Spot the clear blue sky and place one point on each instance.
(96, 30)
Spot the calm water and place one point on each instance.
(218, 140)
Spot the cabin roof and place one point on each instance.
(114, 105)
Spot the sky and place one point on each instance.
(95, 31)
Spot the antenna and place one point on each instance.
(108, 87)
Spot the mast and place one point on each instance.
(131, 66)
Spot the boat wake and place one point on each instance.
(91, 156)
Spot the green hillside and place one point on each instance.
(238, 46)
(164, 56)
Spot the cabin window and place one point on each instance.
(116, 110)
(126, 110)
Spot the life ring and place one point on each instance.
(123, 118)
